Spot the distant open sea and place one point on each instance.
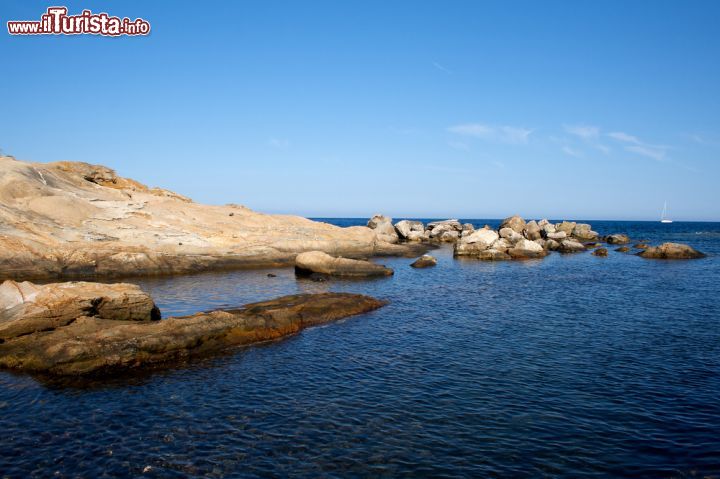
(570, 366)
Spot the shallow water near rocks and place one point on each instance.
(571, 366)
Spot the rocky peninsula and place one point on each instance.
(70, 220)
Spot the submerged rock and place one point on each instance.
(622, 249)
(95, 344)
(319, 262)
(641, 245)
(600, 252)
(671, 251)
(425, 261)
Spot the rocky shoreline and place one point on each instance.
(69, 220)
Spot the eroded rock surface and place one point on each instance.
(75, 220)
(96, 344)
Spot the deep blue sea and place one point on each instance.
(570, 366)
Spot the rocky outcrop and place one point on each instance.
(671, 251)
(75, 220)
(617, 238)
(322, 263)
(26, 308)
(425, 261)
(99, 345)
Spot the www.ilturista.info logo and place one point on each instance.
(56, 21)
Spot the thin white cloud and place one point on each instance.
(503, 134)
(571, 152)
(650, 152)
(639, 147)
(586, 132)
(624, 137)
(442, 68)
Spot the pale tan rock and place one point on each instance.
(322, 263)
(44, 307)
(75, 220)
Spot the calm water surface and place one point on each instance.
(572, 366)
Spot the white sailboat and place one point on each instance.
(663, 216)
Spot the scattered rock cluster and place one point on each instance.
(517, 238)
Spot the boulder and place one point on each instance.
(525, 248)
(416, 236)
(515, 223)
(510, 235)
(26, 308)
(532, 230)
(449, 236)
(617, 239)
(492, 255)
(570, 246)
(467, 229)
(600, 252)
(582, 231)
(425, 261)
(543, 222)
(453, 223)
(101, 346)
(482, 237)
(622, 249)
(320, 262)
(501, 244)
(566, 226)
(557, 236)
(671, 251)
(405, 227)
(548, 228)
(377, 220)
(552, 245)
(384, 229)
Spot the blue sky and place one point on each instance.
(594, 110)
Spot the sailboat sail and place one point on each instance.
(663, 216)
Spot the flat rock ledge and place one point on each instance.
(106, 340)
(318, 262)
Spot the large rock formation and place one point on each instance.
(79, 220)
(671, 251)
(98, 344)
(26, 308)
(322, 263)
